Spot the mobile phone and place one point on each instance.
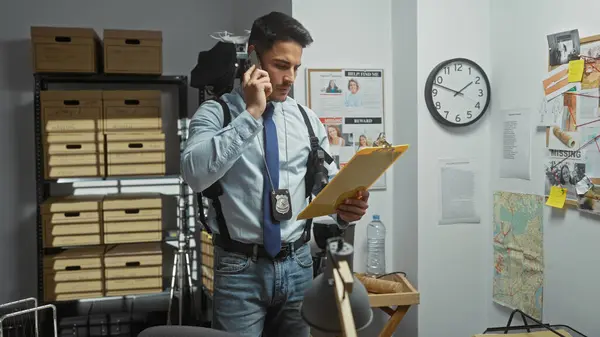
(253, 57)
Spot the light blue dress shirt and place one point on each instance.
(235, 155)
(353, 100)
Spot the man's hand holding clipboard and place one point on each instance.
(347, 193)
(354, 208)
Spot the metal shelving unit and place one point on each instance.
(185, 217)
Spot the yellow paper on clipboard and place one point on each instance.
(360, 173)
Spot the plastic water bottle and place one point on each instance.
(375, 247)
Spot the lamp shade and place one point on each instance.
(319, 308)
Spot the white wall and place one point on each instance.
(350, 44)
(406, 119)
(185, 27)
(345, 39)
(452, 260)
(570, 239)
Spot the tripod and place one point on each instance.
(181, 269)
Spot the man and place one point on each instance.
(262, 262)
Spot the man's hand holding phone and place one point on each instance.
(257, 87)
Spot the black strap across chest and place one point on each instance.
(216, 190)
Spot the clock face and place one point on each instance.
(457, 92)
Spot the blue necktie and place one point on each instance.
(271, 229)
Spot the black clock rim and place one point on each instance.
(429, 87)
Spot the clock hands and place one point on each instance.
(456, 93)
(441, 86)
(461, 90)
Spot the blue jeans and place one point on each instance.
(261, 297)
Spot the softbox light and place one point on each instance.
(216, 67)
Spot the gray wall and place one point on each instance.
(186, 25)
(406, 95)
(244, 12)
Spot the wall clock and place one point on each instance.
(457, 92)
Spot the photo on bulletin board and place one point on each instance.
(564, 169)
(562, 47)
(590, 52)
(350, 104)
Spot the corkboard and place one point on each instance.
(573, 203)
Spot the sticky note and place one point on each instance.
(576, 69)
(557, 198)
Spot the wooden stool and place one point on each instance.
(388, 292)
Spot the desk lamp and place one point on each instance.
(337, 302)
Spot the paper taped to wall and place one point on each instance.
(458, 180)
(517, 145)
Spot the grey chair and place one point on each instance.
(183, 331)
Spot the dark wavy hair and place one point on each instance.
(277, 26)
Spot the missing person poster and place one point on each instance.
(349, 103)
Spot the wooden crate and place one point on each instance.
(391, 290)
(394, 295)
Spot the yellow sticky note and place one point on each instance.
(576, 69)
(557, 198)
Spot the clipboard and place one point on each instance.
(360, 173)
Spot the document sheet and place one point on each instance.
(516, 143)
(457, 184)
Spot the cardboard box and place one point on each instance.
(132, 52)
(71, 221)
(65, 50)
(72, 154)
(129, 154)
(134, 261)
(117, 238)
(136, 217)
(70, 235)
(207, 260)
(71, 110)
(132, 110)
(75, 273)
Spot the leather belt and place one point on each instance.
(250, 249)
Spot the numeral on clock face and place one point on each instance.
(459, 92)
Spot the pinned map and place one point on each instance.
(518, 252)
